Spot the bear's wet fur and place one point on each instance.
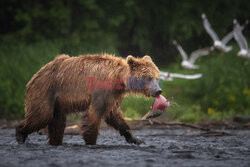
(60, 88)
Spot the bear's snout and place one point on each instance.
(155, 90)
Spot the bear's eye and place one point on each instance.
(149, 81)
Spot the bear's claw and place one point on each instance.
(20, 138)
(134, 140)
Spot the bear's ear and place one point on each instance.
(130, 60)
(147, 57)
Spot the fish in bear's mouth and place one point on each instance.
(158, 107)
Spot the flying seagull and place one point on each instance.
(188, 63)
(241, 40)
(218, 44)
(170, 76)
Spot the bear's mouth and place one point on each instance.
(155, 93)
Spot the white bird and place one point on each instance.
(218, 44)
(170, 76)
(241, 40)
(189, 63)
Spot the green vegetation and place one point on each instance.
(221, 93)
(18, 64)
(32, 33)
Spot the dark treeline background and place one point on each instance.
(136, 27)
(33, 32)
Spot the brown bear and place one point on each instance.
(92, 84)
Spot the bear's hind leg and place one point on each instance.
(33, 122)
(21, 134)
(56, 126)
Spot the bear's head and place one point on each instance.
(144, 76)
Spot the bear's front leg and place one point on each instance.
(116, 120)
(90, 127)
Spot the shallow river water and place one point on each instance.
(163, 148)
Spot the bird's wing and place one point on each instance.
(240, 39)
(182, 52)
(244, 25)
(176, 75)
(230, 35)
(209, 29)
(200, 52)
(227, 37)
(165, 76)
